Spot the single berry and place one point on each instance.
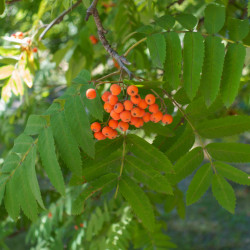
(135, 112)
(156, 117)
(108, 107)
(91, 94)
(153, 108)
(128, 105)
(35, 50)
(123, 126)
(115, 89)
(132, 90)
(50, 215)
(139, 123)
(125, 116)
(167, 119)
(19, 35)
(113, 134)
(114, 115)
(150, 99)
(134, 120)
(76, 227)
(112, 99)
(142, 112)
(142, 104)
(113, 124)
(146, 117)
(96, 127)
(118, 108)
(107, 131)
(81, 225)
(93, 39)
(135, 99)
(105, 96)
(116, 64)
(99, 136)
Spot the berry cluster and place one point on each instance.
(132, 111)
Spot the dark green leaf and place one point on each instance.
(214, 18)
(157, 48)
(138, 201)
(199, 184)
(47, 152)
(212, 68)
(229, 152)
(2, 6)
(3, 181)
(188, 21)
(232, 173)
(232, 71)
(226, 126)
(172, 65)
(238, 29)
(83, 77)
(193, 54)
(224, 193)
(166, 22)
(34, 125)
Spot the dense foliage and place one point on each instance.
(192, 55)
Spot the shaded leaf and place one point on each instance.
(188, 21)
(238, 29)
(166, 22)
(34, 125)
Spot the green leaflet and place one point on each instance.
(172, 65)
(193, 54)
(10, 163)
(29, 171)
(104, 183)
(226, 126)
(188, 21)
(79, 124)
(138, 201)
(22, 143)
(2, 6)
(238, 29)
(229, 152)
(150, 154)
(224, 193)
(66, 143)
(197, 110)
(214, 18)
(83, 77)
(146, 174)
(47, 152)
(157, 128)
(96, 168)
(157, 48)
(166, 22)
(187, 164)
(94, 106)
(34, 125)
(232, 173)
(212, 68)
(199, 184)
(181, 145)
(234, 62)
(3, 181)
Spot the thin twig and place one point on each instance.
(135, 45)
(109, 75)
(122, 61)
(59, 19)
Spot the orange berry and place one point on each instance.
(123, 126)
(75, 227)
(156, 117)
(105, 96)
(125, 116)
(115, 89)
(81, 225)
(132, 90)
(99, 136)
(91, 94)
(113, 124)
(142, 112)
(142, 104)
(114, 115)
(35, 50)
(135, 99)
(96, 127)
(136, 112)
(50, 215)
(118, 108)
(108, 107)
(139, 123)
(150, 99)
(19, 35)
(128, 105)
(146, 117)
(93, 39)
(113, 135)
(167, 119)
(116, 64)
(153, 108)
(107, 131)
(112, 99)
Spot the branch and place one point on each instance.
(122, 61)
(179, 2)
(59, 19)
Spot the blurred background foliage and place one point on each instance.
(49, 66)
